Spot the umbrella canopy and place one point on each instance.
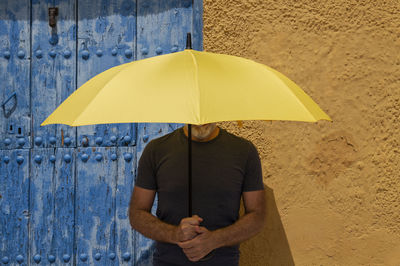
(187, 87)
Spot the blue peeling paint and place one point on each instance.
(3, 28)
(101, 25)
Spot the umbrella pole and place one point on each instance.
(189, 46)
(190, 169)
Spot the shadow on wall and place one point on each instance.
(270, 246)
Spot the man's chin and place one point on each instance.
(203, 133)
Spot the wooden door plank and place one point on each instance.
(52, 206)
(53, 70)
(14, 207)
(95, 206)
(15, 53)
(124, 235)
(64, 203)
(106, 38)
(41, 207)
(197, 25)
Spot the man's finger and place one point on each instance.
(189, 227)
(191, 255)
(201, 229)
(186, 244)
(192, 220)
(189, 252)
(194, 259)
(197, 217)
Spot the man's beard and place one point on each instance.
(203, 131)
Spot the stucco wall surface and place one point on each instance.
(334, 188)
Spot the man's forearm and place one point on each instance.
(246, 227)
(152, 227)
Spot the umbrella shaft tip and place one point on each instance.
(189, 41)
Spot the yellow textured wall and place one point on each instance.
(334, 196)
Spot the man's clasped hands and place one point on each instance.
(195, 240)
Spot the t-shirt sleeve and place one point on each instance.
(146, 174)
(253, 179)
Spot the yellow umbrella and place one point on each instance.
(187, 87)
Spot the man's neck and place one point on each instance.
(213, 135)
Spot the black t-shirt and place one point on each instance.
(222, 169)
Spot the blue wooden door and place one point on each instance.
(64, 191)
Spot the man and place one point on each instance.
(225, 168)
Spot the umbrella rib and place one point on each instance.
(196, 81)
(281, 78)
(87, 106)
